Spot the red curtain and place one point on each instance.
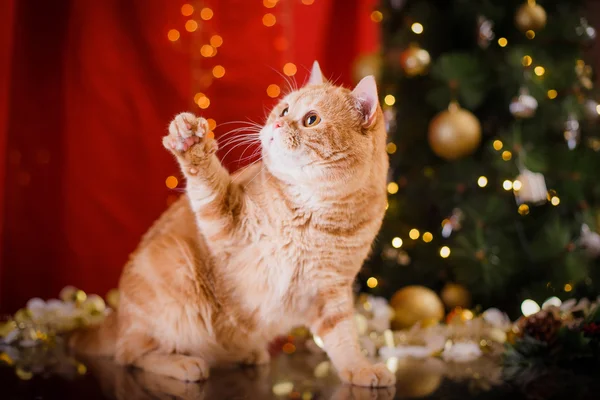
(87, 89)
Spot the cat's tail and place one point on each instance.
(97, 340)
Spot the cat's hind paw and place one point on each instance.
(369, 376)
(184, 131)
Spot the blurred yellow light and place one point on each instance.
(445, 252)
(270, 3)
(372, 282)
(598, 108)
(502, 42)
(376, 16)
(414, 234)
(552, 94)
(269, 19)
(506, 155)
(203, 102)
(273, 90)
(555, 201)
(206, 13)
(290, 69)
(397, 242)
(208, 51)
(568, 287)
(497, 145)
(173, 35)
(523, 209)
(391, 148)
(216, 41)
(529, 307)
(427, 237)
(392, 188)
(171, 182)
(191, 25)
(526, 61)
(187, 10)
(308, 2)
(417, 28)
(517, 185)
(482, 181)
(212, 124)
(507, 185)
(390, 100)
(445, 221)
(218, 71)
(530, 34)
(539, 70)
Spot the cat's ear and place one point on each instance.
(316, 76)
(365, 94)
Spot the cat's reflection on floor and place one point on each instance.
(121, 383)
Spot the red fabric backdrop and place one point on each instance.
(87, 89)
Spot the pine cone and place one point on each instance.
(543, 326)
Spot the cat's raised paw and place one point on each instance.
(369, 376)
(184, 131)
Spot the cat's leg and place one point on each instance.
(178, 366)
(215, 199)
(335, 326)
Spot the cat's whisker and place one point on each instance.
(249, 139)
(246, 149)
(235, 147)
(245, 131)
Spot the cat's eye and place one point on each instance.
(311, 119)
(285, 111)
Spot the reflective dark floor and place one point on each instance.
(296, 377)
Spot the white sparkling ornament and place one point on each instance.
(462, 352)
(591, 109)
(533, 188)
(523, 106)
(590, 241)
(584, 29)
(572, 132)
(485, 32)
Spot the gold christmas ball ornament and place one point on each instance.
(454, 133)
(418, 378)
(368, 64)
(415, 60)
(94, 304)
(530, 16)
(414, 304)
(454, 295)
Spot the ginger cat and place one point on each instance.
(241, 259)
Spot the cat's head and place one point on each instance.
(322, 132)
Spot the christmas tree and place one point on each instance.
(493, 141)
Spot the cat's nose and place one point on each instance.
(277, 124)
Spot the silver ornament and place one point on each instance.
(485, 32)
(572, 132)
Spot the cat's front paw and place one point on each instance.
(184, 131)
(369, 376)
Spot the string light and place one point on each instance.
(552, 302)
(530, 34)
(206, 13)
(498, 145)
(529, 307)
(187, 10)
(171, 182)
(390, 100)
(290, 69)
(482, 181)
(555, 201)
(173, 35)
(273, 90)
(216, 41)
(427, 237)
(502, 42)
(391, 148)
(392, 188)
(539, 70)
(203, 102)
(191, 25)
(307, 2)
(218, 71)
(414, 234)
(270, 3)
(517, 185)
(526, 61)
(212, 124)
(197, 96)
(552, 94)
(376, 16)
(506, 155)
(598, 109)
(417, 28)
(445, 252)
(507, 185)
(208, 51)
(568, 287)
(523, 209)
(269, 20)
(372, 282)
(397, 242)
